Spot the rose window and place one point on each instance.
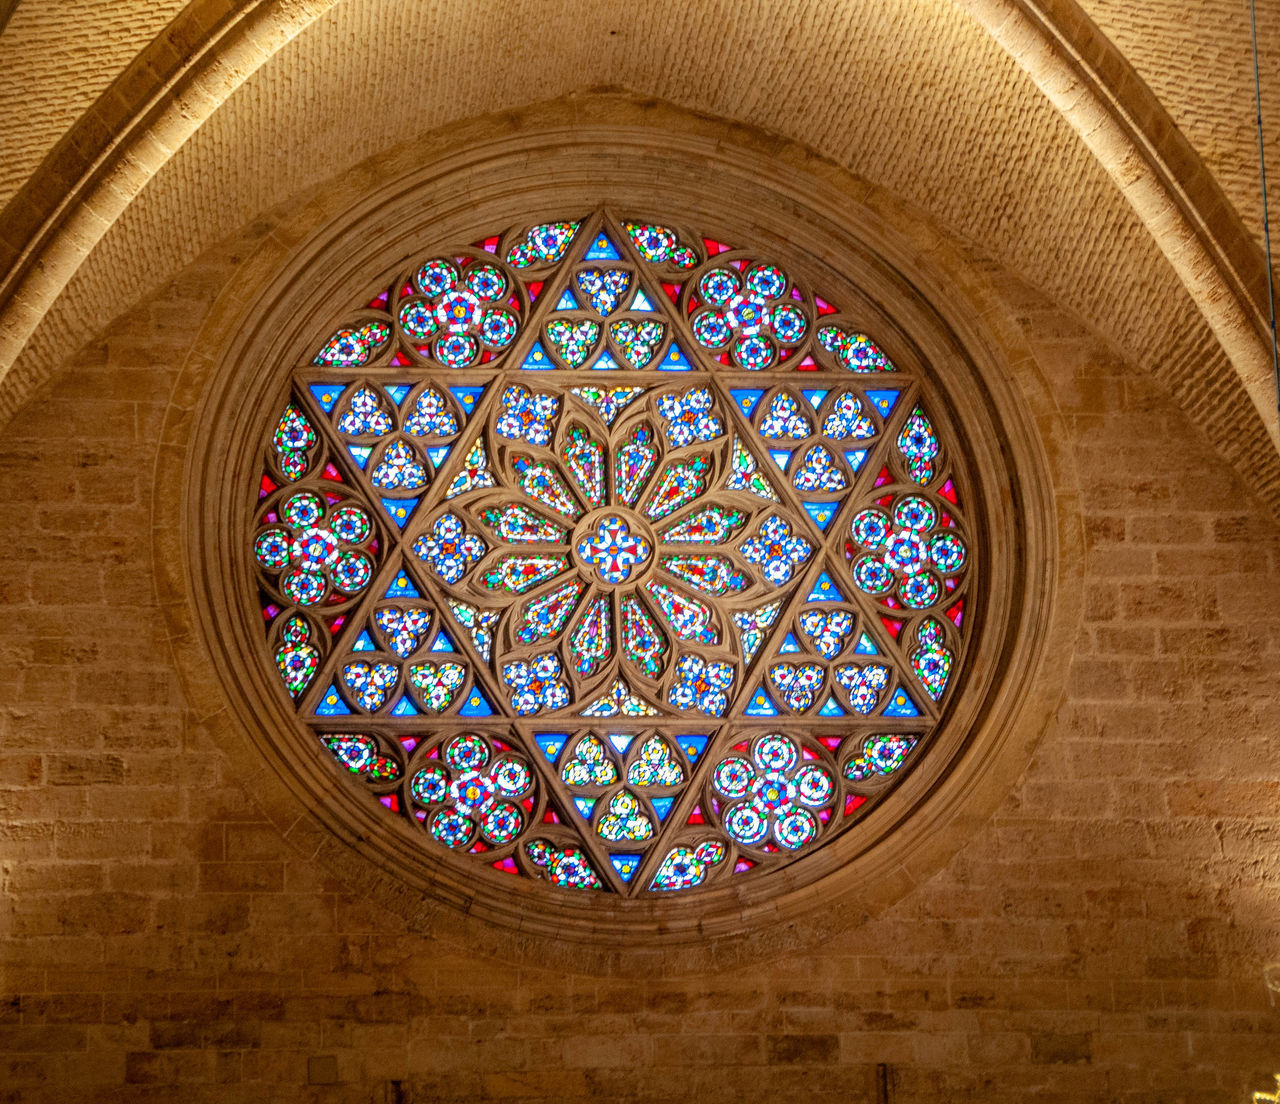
(614, 557)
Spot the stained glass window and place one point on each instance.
(613, 556)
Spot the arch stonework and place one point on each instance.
(212, 49)
(289, 289)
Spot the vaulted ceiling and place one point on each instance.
(1102, 149)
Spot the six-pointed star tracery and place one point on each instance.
(613, 556)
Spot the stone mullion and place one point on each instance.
(360, 607)
(662, 305)
(783, 507)
(690, 795)
(863, 484)
(768, 651)
(570, 817)
(480, 670)
(877, 458)
(556, 281)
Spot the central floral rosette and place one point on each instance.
(612, 556)
(614, 546)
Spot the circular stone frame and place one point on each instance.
(495, 173)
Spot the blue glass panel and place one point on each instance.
(900, 705)
(551, 743)
(536, 360)
(675, 361)
(404, 708)
(401, 587)
(824, 590)
(831, 709)
(327, 394)
(476, 705)
(364, 644)
(692, 746)
(884, 400)
(602, 249)
(821, 512)
(467, 397)
(332, 705)
(747, 399)
(761, 706)
(399, 509)
(625, 865)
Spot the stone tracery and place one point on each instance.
(662, 509)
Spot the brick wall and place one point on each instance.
(1101, 938)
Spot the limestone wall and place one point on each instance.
(1100, 938)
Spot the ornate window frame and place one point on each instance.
(812, 221)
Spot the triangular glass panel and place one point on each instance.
(467, 397)
(397, 391)
(620, 740)
(675, 361)
(815, 396)
(331, 705)
(404, 708)
(856, 457)
(625, 865)
(364, 643)
(789, 644)
(605, 363)
(584, 805)
(901, 705)
(608, 402)
(692, 746)
(662, 806)
(443, 643)
(602, 249)
(327, 394)
(567, 302)
(761, 705)
(619, 700)
(360, 454)
(824, 590)
(399, 509)
(438, 455)
(781, 457)
(830, 709)
(746, 398)
(866, 646)
(821, 512)
(884, 400)
(476, 705)
(401, 587)
(536, 359)
(551, 743)
(641, 302)
(894, 626)
(696, 816)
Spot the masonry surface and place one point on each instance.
(1101, 937)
